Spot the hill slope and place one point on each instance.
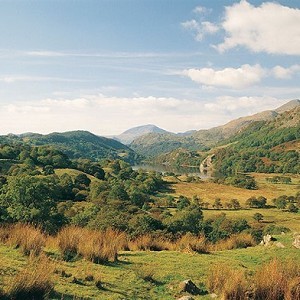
(79, 144)
(264, 146)
(158, 143)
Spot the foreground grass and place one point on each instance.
(140, 275)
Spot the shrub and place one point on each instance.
(33, 282)
(28, 238)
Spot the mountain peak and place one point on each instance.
(129, 135)
(288, 106)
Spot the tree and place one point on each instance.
(258, 217)
(29, 199)
(292, 208)
(235, 203)
(82, 179)
(217, 204)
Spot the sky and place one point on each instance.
(109, 65)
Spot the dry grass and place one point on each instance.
(191, 243)
(68, 240)
(277, 280)
(225, 281)
(29, 239)
(149, 243)
(96, 246)
(33, 282)
(209, 191)
(236, 241)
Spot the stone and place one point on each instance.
(296, 242)
(279, 245)
(189, 287)
(186, 298)
(267, 239)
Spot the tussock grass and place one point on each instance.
(149, 243)
(33, 282)
(228, 282)
(277, 280)
(236, 241)
(96, 246)
(29, 239)
(191, 243)
(68, 240)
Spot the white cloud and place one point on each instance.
(201, 10)
(243, 105)
(238, 78)
(105, 115)
(285, 73)
(200, 29)
(17, 78)
(270, 27)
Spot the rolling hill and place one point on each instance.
(78, 144)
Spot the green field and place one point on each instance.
(127, 278)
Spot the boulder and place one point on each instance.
(267, 239)
(189, 286)
(296, 242)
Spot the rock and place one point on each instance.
(279, 245)
(189, 287)
(186, 298)
(296, 242)
(213, 295)
(267, 239)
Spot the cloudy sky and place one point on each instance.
(108, 65)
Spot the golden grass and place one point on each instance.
(236, 241)
(228, 282)
(29, 239)
(209, 191)
(276, 279)
(34, 281)
(96, 246)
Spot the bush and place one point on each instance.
(191, 243)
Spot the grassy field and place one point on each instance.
(141, 275)
(209, 191)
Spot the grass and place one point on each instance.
(142, 275)
(209, 191)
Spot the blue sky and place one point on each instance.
(106, 66)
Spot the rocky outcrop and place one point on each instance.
(188, 286)
(296, 242)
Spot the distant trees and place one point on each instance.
(258, 217)
(254, 202)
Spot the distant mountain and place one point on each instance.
(129, 135)
(158, 143)
(79, 144)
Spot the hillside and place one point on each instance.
(158, 143)
(78, 144)
(265, 146)
(131, 134)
